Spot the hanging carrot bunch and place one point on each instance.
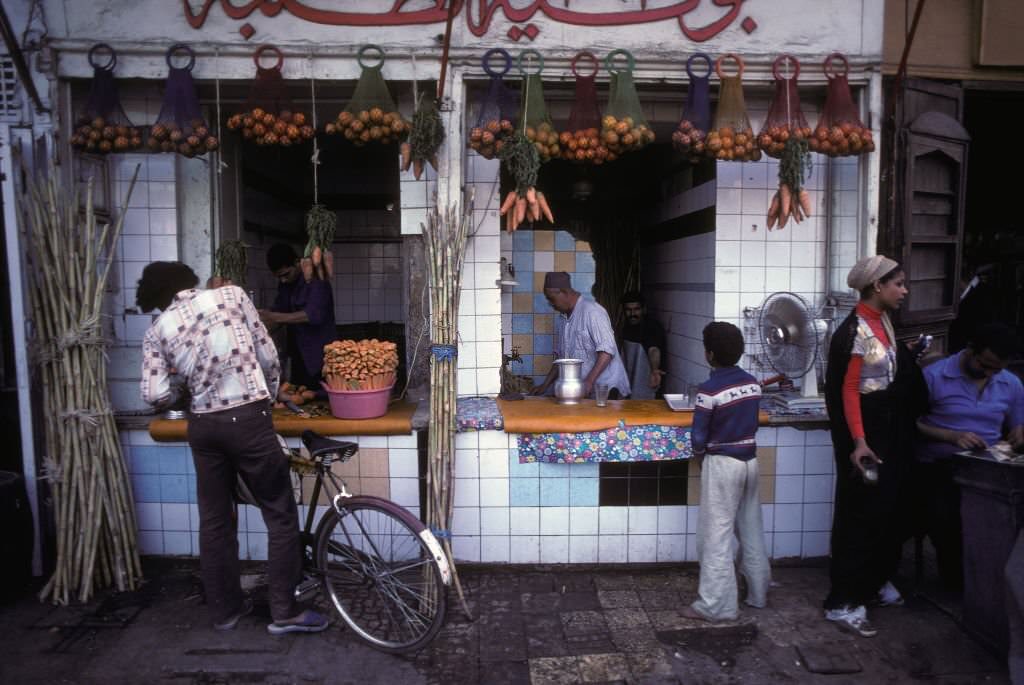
(792, 200)
(317, 259)
(525, 203)
(425, 137)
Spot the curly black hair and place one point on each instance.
(997, 337)
(160, 282)
(280, 255)
(724, 341)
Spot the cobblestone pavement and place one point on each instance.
(539, 625)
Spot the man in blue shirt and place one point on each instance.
(973, 403)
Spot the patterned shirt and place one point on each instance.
(725, 416)
(217, 343)
(585, 332)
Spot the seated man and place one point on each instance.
(643, 348)
(973, 402)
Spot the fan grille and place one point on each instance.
(786, 334)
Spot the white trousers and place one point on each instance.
(730, 505)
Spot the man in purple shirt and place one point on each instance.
(307, 309)
(973, 403)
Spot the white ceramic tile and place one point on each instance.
(819, 460)
(163, 248)
(494, 463)
(163, 222)
(403, 463)
(727, 253)
(816, 544)
(160, 168)
(494, 520)
(494, 492)
(817, 517)
(466, 381)
(402, 441)
(671, 547)
(466, 548)
(175, 517)
(554, 520)
(405, 491)
(488, 301)
(613, 549)
(554, 549)
(788, 489)
(494, 548)
(162, 194)
(488, 330)
(768, 517)
(728, 226)
(788, 518)
(180, 543)
(465, 521)
(467, 463)
(691, 548)
(524, 520)
(525, 549)
(488, 381)
(729, 201)
(729, 176)
(692, 518)
(467, 492)
(776, 279)
(752, 280)
(467, 440)
(818, 488)
(152, 542)
(727, 279)
(789, 436)
(613, 520)
(642, 520)
(786, 545)
(583, 549)
(753, 201)
(642, 548)
(149, 516)
(584, 520)
(671, 520)
(789, 460)
(373, 441)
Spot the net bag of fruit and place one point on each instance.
(582, 142)
(180, 127)
(840, 132)
(785, 118)
(534, 121)
(731, 138)
(692, 130)
(623, 127)
(102, 126)
(269, 118)
(371, 116)
(494, 121)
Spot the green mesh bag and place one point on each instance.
(534, 121)
(371, 116)
(731, 138)
(623, 126)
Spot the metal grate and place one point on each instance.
(10, 102)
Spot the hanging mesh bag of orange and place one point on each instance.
(731, 138)
(785, 118)
(181, 126)
(270, 118)
(534, 120)
(581, 142)
(840, 131)
(371, 116)
(497, 109)
(692, 130)
(623, 126)
(101, 126)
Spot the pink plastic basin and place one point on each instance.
(358, 404)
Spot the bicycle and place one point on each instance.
(382, 568)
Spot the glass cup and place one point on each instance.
(601, 394)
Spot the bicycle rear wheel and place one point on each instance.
(380, 575)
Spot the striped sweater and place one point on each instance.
(725, 414)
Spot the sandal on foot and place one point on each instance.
(231, 621)
(307, 622)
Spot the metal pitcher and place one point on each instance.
(569, 386)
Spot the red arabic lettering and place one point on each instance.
(485, 11)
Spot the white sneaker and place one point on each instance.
(854, 619)
(889, 596)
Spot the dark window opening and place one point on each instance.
(649, 483)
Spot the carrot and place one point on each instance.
(510, 200)
(773, 211)
(531, 195)
(317, 255)
(417, 168)
(520, 210)
(406, 151)
(544, 207)
(306, 264)
(805, 202)
(798, 214)
(329, 264)
(510, 218)
(433, 162)
(785, 201)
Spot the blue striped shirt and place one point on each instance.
(725, 416)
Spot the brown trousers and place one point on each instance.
(225, 444)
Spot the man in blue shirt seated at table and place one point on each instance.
(307, 309)
(973, 403)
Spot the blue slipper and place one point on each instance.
(308, 621)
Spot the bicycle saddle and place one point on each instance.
(318, 444)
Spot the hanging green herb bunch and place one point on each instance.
(522, 160)
(792, 200)
(425, 137)
(232, 262)
(317, 259)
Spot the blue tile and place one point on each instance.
(517, 470)
(143, 460)
(583, 492)
(523, 240)
(146, 487)
(174, 460)
(543, 343)
(584, 283)
(526, 367)
(564, 242)
(174, 488)
(522, 262)
(554, 492)
(590, 470)
(191, 484)
(540, 305)
(584, 263)
(524, 282)
(537, 380)
(524, 492)
(548, 470)
(522, 323)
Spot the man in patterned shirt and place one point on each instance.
(215, 341)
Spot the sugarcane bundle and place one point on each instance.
(69, 258)
(360, 364)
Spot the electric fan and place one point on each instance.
(790, 338)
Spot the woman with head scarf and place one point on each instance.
(872, 388)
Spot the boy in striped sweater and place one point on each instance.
(725, 422)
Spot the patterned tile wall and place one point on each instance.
(528, 322)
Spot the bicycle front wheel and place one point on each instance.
(380, 575)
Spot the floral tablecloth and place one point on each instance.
(477, 414)
(623, 443)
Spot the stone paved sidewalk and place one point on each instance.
(539, 625)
